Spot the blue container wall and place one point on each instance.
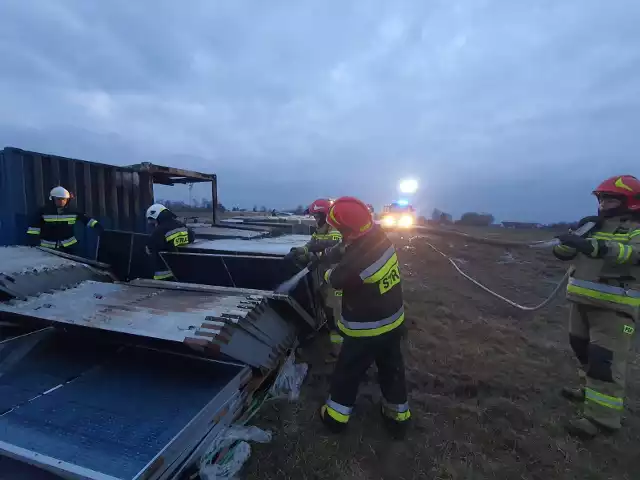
(116, 196)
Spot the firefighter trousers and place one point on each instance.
(161, 270)
(70, 250)
(355, 358)
(333, 308)
(601, 340)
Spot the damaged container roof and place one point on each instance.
(241, 324)
(26, 271)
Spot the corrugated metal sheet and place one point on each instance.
(117, 196)
(26, 271)
(246, 271)
(236, 323)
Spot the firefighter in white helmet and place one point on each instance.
(53, 224)
(169, 234)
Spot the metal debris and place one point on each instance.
(26, 271)
(240, 325)
(266, 246)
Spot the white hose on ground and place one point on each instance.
(500, 297)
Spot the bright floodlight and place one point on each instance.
(408, 185)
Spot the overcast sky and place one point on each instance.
(514, 107)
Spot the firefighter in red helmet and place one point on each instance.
(372, 319)
(604, 292)
(323, 238)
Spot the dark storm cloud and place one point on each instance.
(501, 106)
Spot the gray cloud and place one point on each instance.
(510, 107)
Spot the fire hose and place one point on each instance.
(500, 297)
(582, 231)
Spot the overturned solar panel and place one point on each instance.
(26, 271)
(95, 410)
(213, 232)
(254, 327)
(277, 246)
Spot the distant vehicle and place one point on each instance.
(398, 215)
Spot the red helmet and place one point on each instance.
(351, 217)
(322, 205)
(625, 186)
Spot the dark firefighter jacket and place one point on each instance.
(324, 237)
(368, 275)
(610, 276)
(167, 237)
(55, 226)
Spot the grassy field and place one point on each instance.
(483, 377)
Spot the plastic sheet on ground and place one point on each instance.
(289, 380)
(229, 451)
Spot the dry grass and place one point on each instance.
(483, 381)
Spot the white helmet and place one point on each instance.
(154, 210)
(59, 192)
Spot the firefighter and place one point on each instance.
(169, 234)
(372, 320)
(324, 237)
(54, 223)
(605, 303)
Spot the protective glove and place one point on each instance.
(314, 262)
(580, 244)
(333, 255)
(294, 253)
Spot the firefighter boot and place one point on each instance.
(332, 425)
(397, 430)
(587, 429)
(576, 394)
(573, 394)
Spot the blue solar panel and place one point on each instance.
(116, 416)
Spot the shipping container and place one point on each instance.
(116, 196)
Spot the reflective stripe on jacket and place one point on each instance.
(610, 276)
(368, 275)
(169, 236)
(324, 237)
(55, 226)
(604, 292)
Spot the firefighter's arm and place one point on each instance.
(302, 253)
(342, 276)
(35, 226)
(344, 273)
(619, 253)
(156, 243)
(89, 221)
(564, 252)
(316, 245)
(572, 244)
